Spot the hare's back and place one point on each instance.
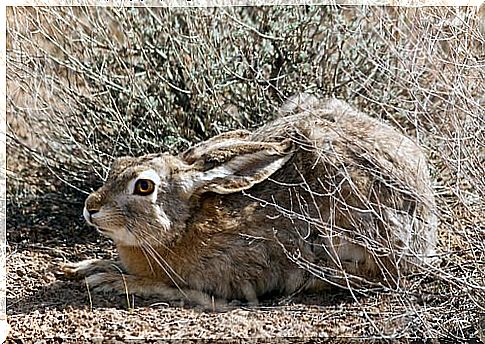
(346, 136)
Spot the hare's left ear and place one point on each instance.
(235, 167)
(228, 138)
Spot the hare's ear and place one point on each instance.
(239, 166)
(228, 138)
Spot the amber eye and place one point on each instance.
(144, 187)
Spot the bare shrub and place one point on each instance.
(88, 84)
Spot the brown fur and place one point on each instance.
(247, 214)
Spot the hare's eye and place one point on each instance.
(144, 187)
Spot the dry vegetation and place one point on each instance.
(89, 84)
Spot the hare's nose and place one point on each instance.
(92, 205)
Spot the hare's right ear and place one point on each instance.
(235, 167)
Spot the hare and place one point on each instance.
(323, 195)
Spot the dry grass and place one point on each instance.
(88, 84)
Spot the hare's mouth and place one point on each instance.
(104, 231)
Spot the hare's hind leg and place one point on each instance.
(131, 284)
(90, 266)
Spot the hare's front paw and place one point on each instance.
(88, 267)
(130, 284)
